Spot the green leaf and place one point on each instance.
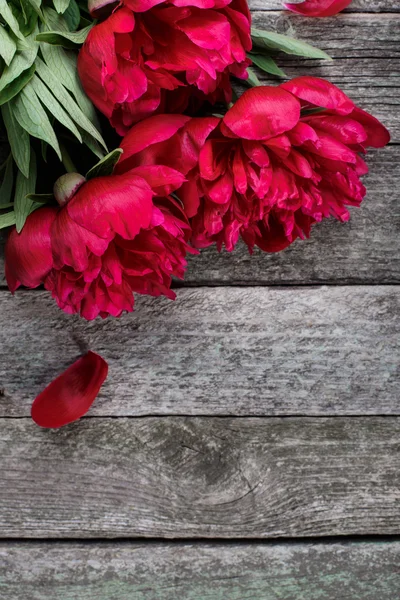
(27, 17)
(72, 16)
(267, 64)
(7, 220)
(68, 40)
(7, 46)
(50, 102)
(32, 117)
(106, 165)
(92, 144)
(17, 85)
(18, 139)
(6, 13)
(67, 101)
(35, 6)
(252, 79)
(269, 40)
(7, 184)
(24, 186)
(23, 60)
(61, 5)
(54, 20)
(40, 198)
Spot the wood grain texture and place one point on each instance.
(201, 477)
(365, 49)
(366, 6)
(147, 571)
(365, 250)
(248, 351)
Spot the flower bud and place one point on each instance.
(66, 187)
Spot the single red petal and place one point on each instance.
(141, 5)
(189, 195)
(115, 204)
(145, 134)
(319, 92)
(377, 135)
(72, 244)
(263, 112)
(28, 257)
(162, 180)
(318, 8)
(207, 29)
(70, 396)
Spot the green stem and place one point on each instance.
(67, 160)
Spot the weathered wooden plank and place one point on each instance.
(148, 571)
(248, 351)
(367, 6)
(365, 250)
(347, 36)
(201, 477)
(365, 48)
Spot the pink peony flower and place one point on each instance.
(280, 160)
(152, 57)
(318, 8)
(113, 235)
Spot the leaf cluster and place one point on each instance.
(41, 98)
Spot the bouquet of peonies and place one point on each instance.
(137, 94)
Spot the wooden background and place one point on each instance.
(246, 445)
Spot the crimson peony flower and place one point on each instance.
(280, 160)
(318, 8)
(70, 396)
(113, 235)
(150, 56)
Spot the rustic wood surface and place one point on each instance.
(176, 477)
(366, 6)
(317, 366)
(243, 351)
(349, 571)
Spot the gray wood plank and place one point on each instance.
(201, 477)
(365, 49)
(243, 351)
(365, 250)
(148, 571)
(366, 6)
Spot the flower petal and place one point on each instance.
(319, 92)
(146, 134)
(70, 396)
(318, 8)
(377, 135)
(28, 256)
(119, 204)
(263, 112)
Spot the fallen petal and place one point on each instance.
(70, 395)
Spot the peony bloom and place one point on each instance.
(113, 235)
(69, 397)
(280, 160)
(318, 8)
(153, 57)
